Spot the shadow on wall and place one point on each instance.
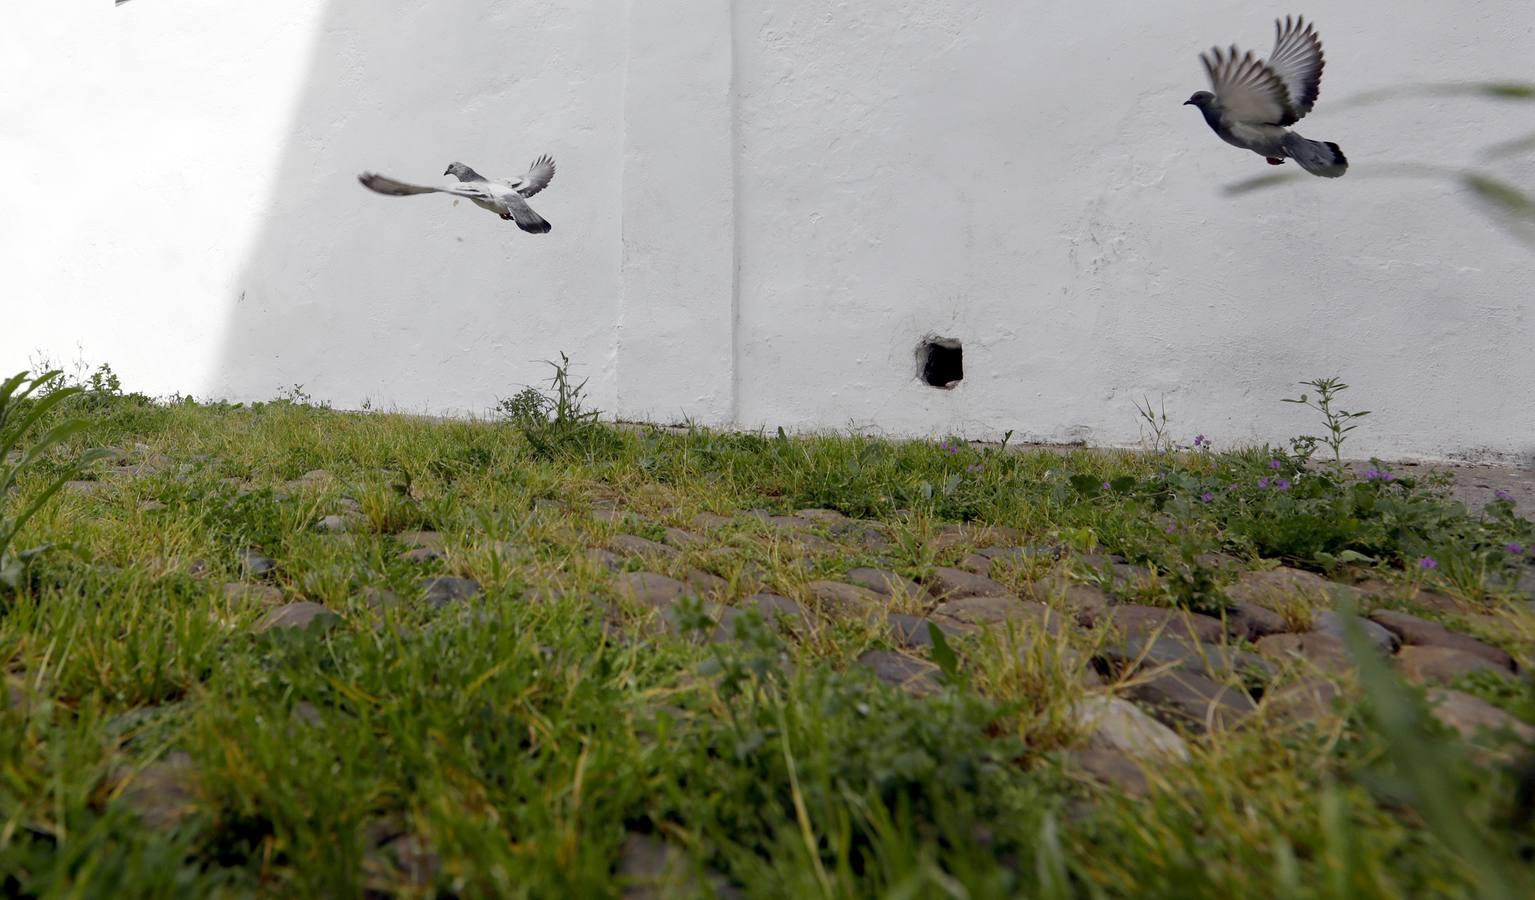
(359, 296)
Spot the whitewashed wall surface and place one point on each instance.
(764, 206)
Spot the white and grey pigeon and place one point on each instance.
(507, 199)
(1254, 101)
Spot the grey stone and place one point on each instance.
(982, 611)
(379, 598)
(950, 536)
(824, 516)
(1423, 663)
(1192, 656)
(1325, 621)
(163, 792)
(1323, 651)
(883, 582)
(1438, 602)
(1253, 622)
(1111, 768)
(305, 713)
(1142, 621)
(334, 524)
(911, 632)
(912, 675)
(1193, 701)
(299, 615)
(649, 588)
(949, 584)
(1113, 723)
(405, 860)
(774, 608)
(711, 522)
(1116, 574)
(862, 533)
(84, 487)
(1413, 630)
(1079, 598)
(976, 564)
(651, 869)
(445, 589)
(1276, 589)
(1469, 715)
(16, 695)
(1016, 554)
(707, 584)
(683, 539)
(632, 545)
(605, 558)
(421, 555)
(805, 541)
(1304, 701)
(423, 540)
(254, 565)
(846, 599)
(264, 594)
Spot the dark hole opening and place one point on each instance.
(940, 362)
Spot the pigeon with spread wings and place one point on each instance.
(507, 199)
(1255, 101)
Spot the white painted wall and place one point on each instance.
(762, 206)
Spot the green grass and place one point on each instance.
(523, 737)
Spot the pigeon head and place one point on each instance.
(461, 172)
(1201, 99)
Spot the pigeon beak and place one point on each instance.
(1188, 103)
(446, 171)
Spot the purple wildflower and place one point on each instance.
(973, 468)
(1106, 486)
(1428, 562)
(1171, 527)
(1378, 475)
(1275, 464)
(1282, 483)
(1515, 549)
(1232, 486)
(1199, 440)
(1503, 495)
(1207, 496)
(1263, 482)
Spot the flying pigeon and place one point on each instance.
(1255, 100)
(507, 199)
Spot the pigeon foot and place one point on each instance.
(1272, 162)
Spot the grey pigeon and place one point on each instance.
(1255, 100)
(507, 199)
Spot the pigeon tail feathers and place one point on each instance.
(1322, 158)
(530, 221)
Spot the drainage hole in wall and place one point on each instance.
(940, 362)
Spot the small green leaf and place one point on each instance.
(1086, 484)
(943, 654)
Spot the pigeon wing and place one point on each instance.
(1297, 60)
(523, 214)
(383, 184)
(538, 177)
(1248, 89)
